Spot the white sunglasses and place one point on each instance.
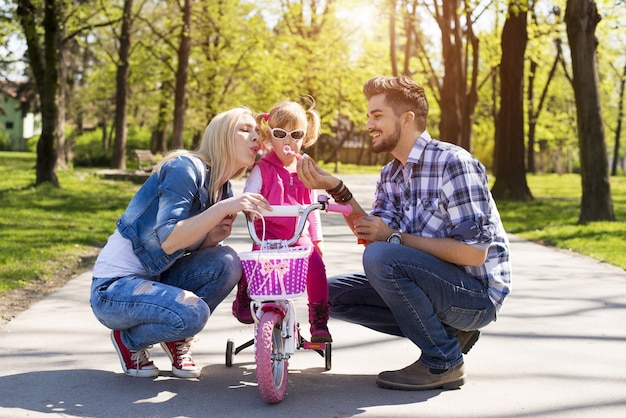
(281, 134)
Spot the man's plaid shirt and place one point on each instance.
(441, 186)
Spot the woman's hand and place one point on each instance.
(314, 177)
(220, 232)
(246, 202)
(214, 224)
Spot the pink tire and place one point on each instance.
(271, 363)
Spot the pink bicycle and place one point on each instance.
(276, 276)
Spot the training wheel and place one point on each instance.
(230, 349)
(328, 356)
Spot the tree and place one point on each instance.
(47, 51)
(44, 62)
(460, 57)
(180, 101)
(581, 18)
(456, 89)
(539, 32)
(121, 93)
(620, 116)
(509, 170)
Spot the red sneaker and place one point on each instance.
(179, 353)
(134, 363)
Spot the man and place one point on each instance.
(437, 257)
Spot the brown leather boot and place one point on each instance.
(418, 376)
(467, 339)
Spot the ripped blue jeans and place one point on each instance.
(173, 307)
(409, 293)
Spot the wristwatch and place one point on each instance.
(395, 238)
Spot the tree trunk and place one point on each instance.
(121, 93)
(533, 115)
(618, 129)
(62, 148)
(44, 65)
(104, 123)
(510, 170)
(581, 18)
(158, 142)
(469, 93)
(453, 80)
(532, 118)
(392, 38)
(180, 101)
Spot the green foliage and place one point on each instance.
(5, 141)
(89, 152)
(138, 138)
(279, 50)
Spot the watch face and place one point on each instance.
(395, 238)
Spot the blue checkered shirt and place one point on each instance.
(440, 187)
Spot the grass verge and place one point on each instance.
(45, 231)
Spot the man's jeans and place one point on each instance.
(175, 307)
(408, 293)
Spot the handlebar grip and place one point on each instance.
(282, 210)
(345, 210)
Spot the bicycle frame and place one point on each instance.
(277, 313)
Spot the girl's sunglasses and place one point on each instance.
(279, 133)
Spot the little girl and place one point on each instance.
(275, 177)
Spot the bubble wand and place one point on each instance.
(287, 150)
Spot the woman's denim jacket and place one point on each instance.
(178, 191)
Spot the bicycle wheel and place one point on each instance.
(271, 362)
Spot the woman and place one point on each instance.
(164, 269)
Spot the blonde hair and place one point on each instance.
(217, 150)
(287, 113)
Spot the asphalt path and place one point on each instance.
(557, 350)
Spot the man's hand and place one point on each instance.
(371, 228)
(314, 177)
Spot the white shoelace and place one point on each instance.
(140, 358)
(183, 351)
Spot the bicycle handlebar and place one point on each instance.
(294, 211)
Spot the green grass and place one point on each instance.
(551, 219)
(46, 232)
(350, 168)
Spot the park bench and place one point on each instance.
(145, 159)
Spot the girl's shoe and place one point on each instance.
(319, 312)
(241, 304)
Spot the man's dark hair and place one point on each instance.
(401, 94)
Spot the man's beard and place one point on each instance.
(389, 142)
